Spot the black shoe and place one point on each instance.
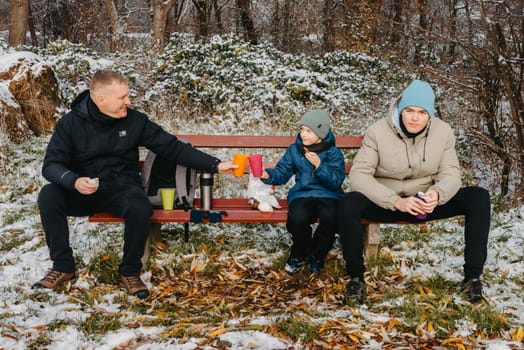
(294, 264)
(315, 265)
(473, 289)
(356, 292)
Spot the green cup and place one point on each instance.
(168, 198)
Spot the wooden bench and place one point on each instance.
(238, 209)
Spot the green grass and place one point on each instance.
(298, 329)
(433, 302)
(13, 238)
(41, 342)
(104, 266)
(99, 323)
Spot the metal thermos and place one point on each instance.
(206, 191)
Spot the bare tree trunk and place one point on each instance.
(328, 19)
(421, 31)
(398, 24)
(161, 10)
(202, 22)
(244, 6)
(284, 17)
(173, 18)
(115, 28)
(509, 63)
(18, 22)
(218, 17)
(275, 24)
(34, 40)
(452, 30)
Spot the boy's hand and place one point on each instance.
(312, 157)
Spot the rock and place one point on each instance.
(29, 96)
(12, 122)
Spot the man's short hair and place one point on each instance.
(104, 78)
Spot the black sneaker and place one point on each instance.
(315, 265)
(294, 264)
(356, 292)
(473, 289)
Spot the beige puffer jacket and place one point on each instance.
(389, 165)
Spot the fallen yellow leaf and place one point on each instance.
(160, 245)
(518, 334)
(354, 338)
(218, 332)
(452, 340)
(197, 265)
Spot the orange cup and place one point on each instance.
(240, 160)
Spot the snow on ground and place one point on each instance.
(24, 256)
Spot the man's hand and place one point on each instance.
(86, 185)
(415, 206)
(431, 200)
(226, 167)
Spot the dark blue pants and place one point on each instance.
(302, 213)
(472, 202)
(125, 200)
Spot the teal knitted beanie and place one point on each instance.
(418, 94)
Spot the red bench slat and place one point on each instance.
(238, 209)
(251, 141)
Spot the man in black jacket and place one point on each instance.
(91, 163)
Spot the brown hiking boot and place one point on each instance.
(134, 286)
(54, 279)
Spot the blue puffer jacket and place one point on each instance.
(324, 182)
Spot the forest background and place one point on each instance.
(474, 46)
(174, 54)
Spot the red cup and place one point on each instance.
(255, 164)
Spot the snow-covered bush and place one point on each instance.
(230, 77)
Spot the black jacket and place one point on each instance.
(88, 143)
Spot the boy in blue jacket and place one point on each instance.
(318, 166)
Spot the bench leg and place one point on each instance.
(154, 236)
(186, 231)
(371, 240)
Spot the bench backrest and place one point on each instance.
(267, 141)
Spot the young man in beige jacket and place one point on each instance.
(409, 152)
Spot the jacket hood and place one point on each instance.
(79, 104)
(85, 108)
(394, 119)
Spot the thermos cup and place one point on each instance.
(206, 191)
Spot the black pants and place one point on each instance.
(125, 200)
(302, 213)
(472, 202)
